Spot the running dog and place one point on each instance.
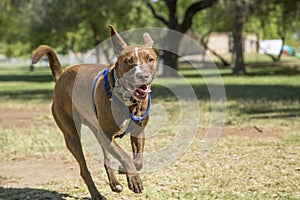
(111, 100)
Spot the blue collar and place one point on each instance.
(108, 91)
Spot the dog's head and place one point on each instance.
(136, 65)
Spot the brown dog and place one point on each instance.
(111, 100)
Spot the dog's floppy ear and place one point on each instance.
(148, 40)
(117, 42)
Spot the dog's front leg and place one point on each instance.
(137, 144)
(137, 138)
(113, 182)
(134, 181)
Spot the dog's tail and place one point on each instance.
(55, 65)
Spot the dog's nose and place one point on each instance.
(143, 76)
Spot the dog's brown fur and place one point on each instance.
(69, 112)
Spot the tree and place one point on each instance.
(172, 22)
(83, 24)
(206, 22)
(284, 14)
(274, 19)
(13, 30)
(76, 25)
(66, 25)
(236, 14)
(239, 12)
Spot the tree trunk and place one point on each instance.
(170, 54)
(96, 37)
(238, 62)
(170, 59)
(257, 42)
(281, 50)
(170, 62)
(238, 54)
(274, 57)
(97, 53)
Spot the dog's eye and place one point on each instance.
(128, 61)
(150, 60)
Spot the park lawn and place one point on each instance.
(257, 156)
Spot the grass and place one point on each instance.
(21, 84)
(257, 157)
(29, 142)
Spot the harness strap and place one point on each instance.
(138, 119)
(106, 86)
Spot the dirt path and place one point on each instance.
(34, 172)
(25, 117)
(38, 171)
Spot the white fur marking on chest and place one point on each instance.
(124, 125)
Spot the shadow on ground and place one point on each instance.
(270, 69)
(27, 78)
(28, 94)
(273, 113)
(236, 92)
(32, 194)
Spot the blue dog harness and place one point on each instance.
(108, 91)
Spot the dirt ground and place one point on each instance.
(38, 171)
(25, 118)
(32, 171)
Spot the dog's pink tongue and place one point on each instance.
(148, 89)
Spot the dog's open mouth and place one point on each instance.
(140, 92)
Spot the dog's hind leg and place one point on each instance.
(72, 139)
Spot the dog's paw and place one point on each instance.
(134, 182)
(116, 187)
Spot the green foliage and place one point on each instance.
(213, 19)
(13, 28)
(268, 19)
(77, 25)
(275, 19)
(80, 25)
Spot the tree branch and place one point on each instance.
(192, 10)
(204, 42)
(156, 14)
(172, 7)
